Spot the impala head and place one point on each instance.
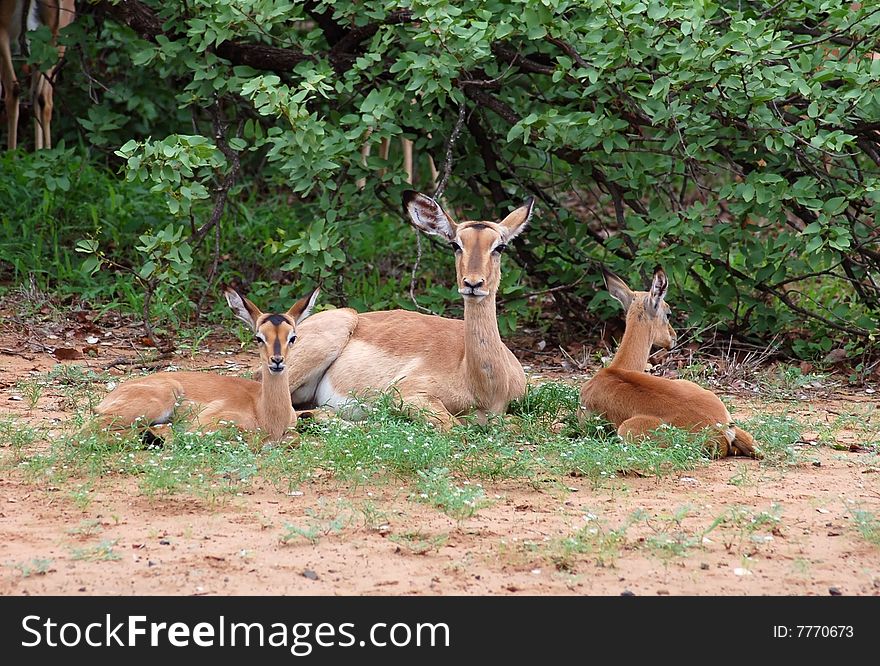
(275, 333)
(645, 308)
(477, 245)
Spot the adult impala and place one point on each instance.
(638, 403)
(17, 17)
(207, 399)
(442, 367)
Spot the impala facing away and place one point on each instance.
(207, 399)
(638, 403)
(16, 18)
(445, 367)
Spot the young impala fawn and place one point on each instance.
(16, 18)
(208, 399)
(445, 367)
(638, 403)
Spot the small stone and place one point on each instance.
(817, 463)
(663, 592)
(834, 591)
(704, 566)
(164, 542)
(627, 593)
(311, 575)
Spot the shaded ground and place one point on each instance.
(729, 527)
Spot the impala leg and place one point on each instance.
(637, 427)
(43, 101)
(743, 444)
(11, 89)
(365, 155)
(429, 408)
(408, 159)
(384, 150)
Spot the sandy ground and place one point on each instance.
(191, 546)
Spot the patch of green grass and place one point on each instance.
(86, 528)
(321, 522)
(593, 539)
(668, 537)
(435, 487)
(546, 401)
(739, 524)
(78, 385)
(607, 456)
(776, 436)
(16, 437)
(542, 439)
(81, 496)
(867, 525)
(102, 552)
(418, 543)
(208, 464)
(204, 463)
(743, 477)
(31, 390)
(37, 566)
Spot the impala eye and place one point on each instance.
(455, 246)
(500, 248)
(258, 340)
(291, 339)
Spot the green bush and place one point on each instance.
(734, 142)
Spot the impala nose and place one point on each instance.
(276, 364)
(473, 284)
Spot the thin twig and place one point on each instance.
(450, 144)
(221, 196)
(438, 192)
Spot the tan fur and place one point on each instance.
(445, 366)
(208, 400)
(638, 403)
(55, 14)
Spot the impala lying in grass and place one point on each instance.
(206, 399)
(440, 367)
(638, 403)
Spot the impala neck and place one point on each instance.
(635, 348)
(483, 348)
(275, 411)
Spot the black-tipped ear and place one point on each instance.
(659, 287)
(618, 289)
(427, 215)
(242, 307)
(303, 307)
(516, 221)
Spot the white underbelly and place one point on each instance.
(326, 395)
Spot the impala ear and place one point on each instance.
(303, 307)
(618, 289)
(242, 307)
(516, 222)
(659, 287)
(426, 215)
